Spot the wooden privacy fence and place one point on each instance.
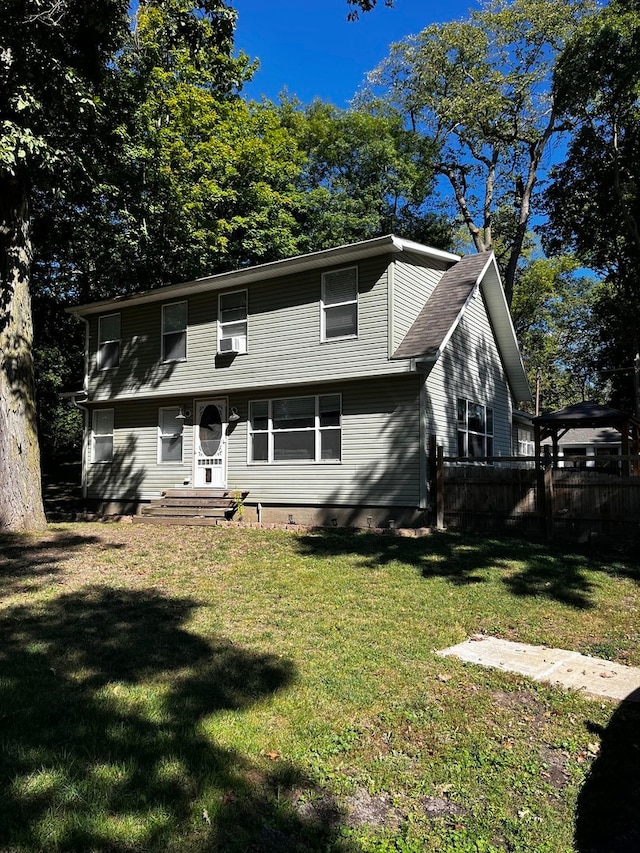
(533, 496)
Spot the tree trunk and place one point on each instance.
(21, 506)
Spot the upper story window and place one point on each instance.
(475, 429)
(170, 431)
(232, 322)
(108, 341)
(340, 304)
(102, 435)
(296, 429)
(174, 331)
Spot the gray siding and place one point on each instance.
(284, 346)
(470, 367)
(135, 473)
(414, 280)
(380, 452)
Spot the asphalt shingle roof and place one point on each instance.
(442, 309)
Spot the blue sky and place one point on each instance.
(309, 48)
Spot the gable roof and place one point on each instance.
(441, 313)
(389, 244)
(443, 310)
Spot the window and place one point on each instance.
(102, 436)
(607, 461)
(340, 304)
(526, 446)
(108, 341)
(170, 429)
(475, 429)
(296, 429)
(232, 322)
(174, 331)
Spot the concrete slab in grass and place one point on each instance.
(555, 666)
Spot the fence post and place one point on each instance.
(440, 488)
(548, 495)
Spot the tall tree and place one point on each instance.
(364, 175)
(594, 200)
(481, 89)
(52, 56)
(553, 315)
(363, 6)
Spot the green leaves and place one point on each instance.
(481, 90)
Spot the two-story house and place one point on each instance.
(317, 384)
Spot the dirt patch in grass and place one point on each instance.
(556, 763)
(441, 807)
(525, 703)
(364, 808)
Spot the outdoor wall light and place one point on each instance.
(234, 416)
(183, 414)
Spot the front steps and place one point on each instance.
(192, 507)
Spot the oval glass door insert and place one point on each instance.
(210, 430)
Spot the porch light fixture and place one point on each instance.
(183, 414)
(234, 416)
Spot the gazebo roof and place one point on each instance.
(587, 414)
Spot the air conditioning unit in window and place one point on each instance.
(232, 345)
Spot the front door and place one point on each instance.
(210, 439)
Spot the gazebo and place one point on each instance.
(588, 415)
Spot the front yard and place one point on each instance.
(201, 689)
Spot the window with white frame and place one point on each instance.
(296, 429)
(232, 322)
(340, 304)
(174, 331)
(526, 445)
(475, 429)
(170, 431)
(108, 341)
(102, 435)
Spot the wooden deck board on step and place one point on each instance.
(196, 521)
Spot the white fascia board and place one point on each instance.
(273, 269)
(432, 359)
(500, 317)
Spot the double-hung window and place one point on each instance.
(340, 304)
(296, 429)
(174, 331)
(170, 429)
(475, 429)
(102, 435)
(108, 341)
(232, 322)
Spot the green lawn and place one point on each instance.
(214, 689)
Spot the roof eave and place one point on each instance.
(273, 269)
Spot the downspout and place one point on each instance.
(424, 471)
(390, 307)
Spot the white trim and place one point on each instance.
(161, 435)
(270, 432)
(95, 412)
(220, 324)
(109, 340)
(164, 305)
(223, 402)
(323, 306)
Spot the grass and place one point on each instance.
(242, 690)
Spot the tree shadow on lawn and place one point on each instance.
(608, 812)
(104, 699)
(546, 571)
(27, 562)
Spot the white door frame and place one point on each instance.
(210, 472)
